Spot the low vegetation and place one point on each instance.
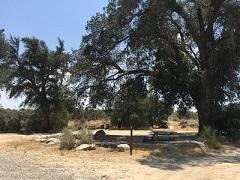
(210, 138)
(84, 136)
(70, 139)
(28, 121)
(67, 140)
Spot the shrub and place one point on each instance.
(59, 119)
(34, 123)
(14, 124)
(84, 136)
(67, 140)
(230, 120)
(209, 137)
(2, 123)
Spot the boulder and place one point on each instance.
(57, 135)
(100, 135)
(196, 144)
(41, 140)
(53, 141)
(174, 147)
(123, 147)
(169, 148)
(86, 147)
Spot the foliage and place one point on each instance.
(26, 120)
(67, 140)
(187, 50)
(89, 114)
(126, 108)
(3, 54)
(186, 114)
(209, 137)
(132, 104)
(37, 73)
(14, 124)
(84, 136)
(2, 123)
(155, 111)
(13, 120)
(59, 119)
(230, 121)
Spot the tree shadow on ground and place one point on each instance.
(178, 163)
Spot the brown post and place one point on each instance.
(131, 139)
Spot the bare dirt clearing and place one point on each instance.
(22, 158)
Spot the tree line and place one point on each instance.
(137, 56)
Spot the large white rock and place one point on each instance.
(173, 147)
(53, 141)
(41, 140)
(86, 147)
(123, 147)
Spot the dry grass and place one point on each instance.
(176, 123)
(89, 123)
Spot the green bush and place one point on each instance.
(84, 136)
(14, 124)
(229, 123)
(59, 120)
(2, 123)
(26, 120)
(34, 123)
(210, 138)
(67, 140)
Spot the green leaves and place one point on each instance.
(37, 73)
(187, 50)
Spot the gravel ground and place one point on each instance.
(14, 166)
(17, 167)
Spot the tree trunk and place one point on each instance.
(46, 126)
(208, 109)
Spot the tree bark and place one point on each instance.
(208, 109)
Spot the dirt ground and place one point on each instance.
(23, 158)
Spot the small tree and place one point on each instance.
(127, 103)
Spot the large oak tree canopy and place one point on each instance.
(188, 49)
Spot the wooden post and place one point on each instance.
(131, 138)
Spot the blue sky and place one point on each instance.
(47, 20)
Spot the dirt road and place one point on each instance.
(21, 158)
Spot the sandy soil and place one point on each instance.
(23, 158)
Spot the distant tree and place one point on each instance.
(188, 50)
(155, 111)
(3, 54)
(230, 119)
(127, 104)
(39, 74)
